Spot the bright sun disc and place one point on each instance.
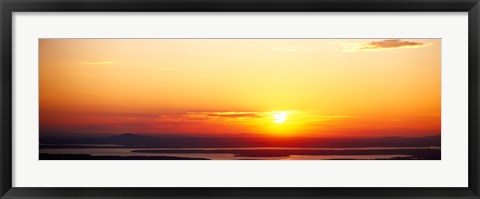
(280, 117)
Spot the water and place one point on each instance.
(231, 156)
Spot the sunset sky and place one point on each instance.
(277, 87)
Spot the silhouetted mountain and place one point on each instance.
(127, 136)
(46, 156)
(129, 139)
(183, 141)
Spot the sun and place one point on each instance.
(279, 117)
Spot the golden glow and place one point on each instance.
(280, 117)
(314, 87)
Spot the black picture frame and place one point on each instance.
(10, 6)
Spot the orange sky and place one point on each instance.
(313, 87)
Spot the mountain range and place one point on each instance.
(183, 141)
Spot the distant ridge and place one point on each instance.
(128, 136)
(182, 141)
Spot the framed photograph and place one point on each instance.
(239, 99)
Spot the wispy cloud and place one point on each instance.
(379, 45)
(108, 62)
(266, 114)
(229, 114)
(235, 115)
(391, 43)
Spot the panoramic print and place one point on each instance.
(240, 99)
